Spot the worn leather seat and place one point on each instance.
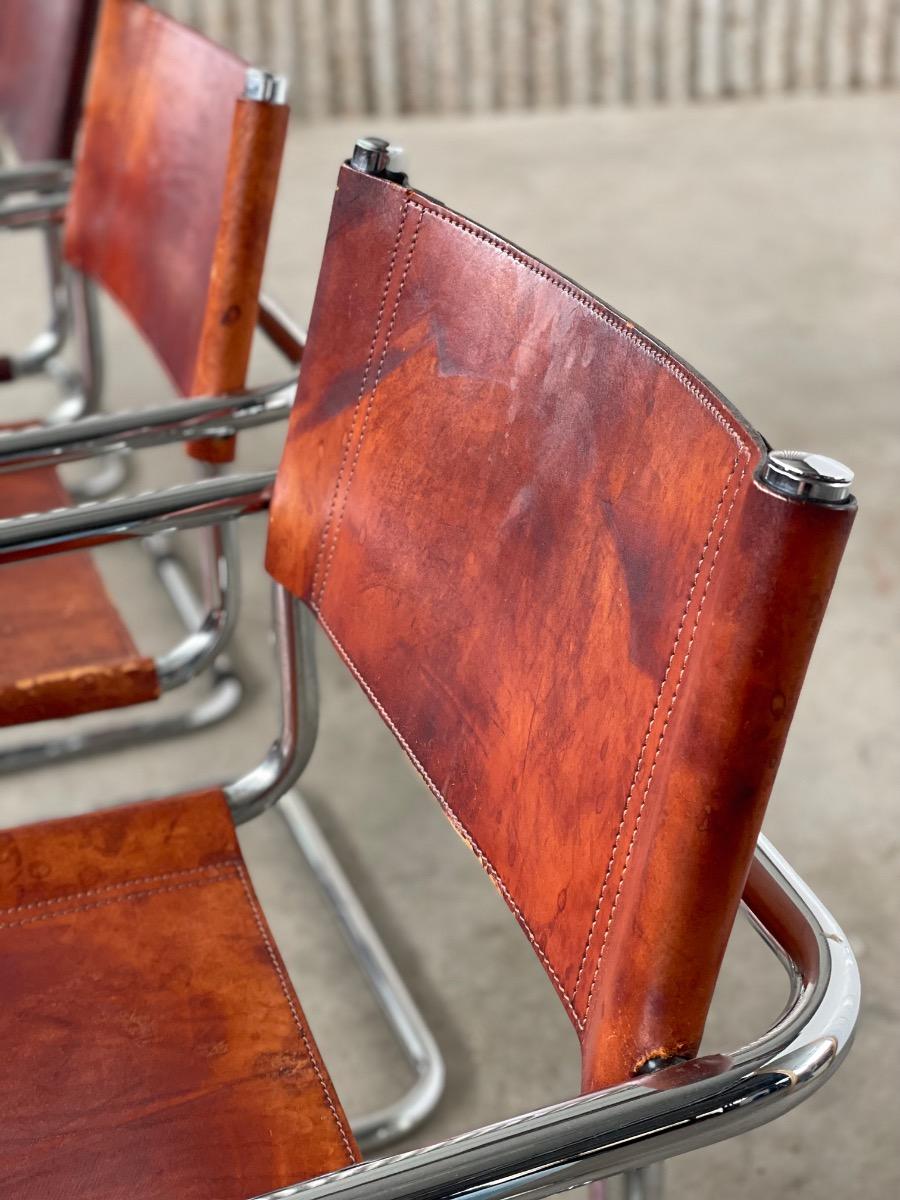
(64, 649)
(153, 1043)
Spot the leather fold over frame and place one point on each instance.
(154, 1040)
(64, 649)
(223, 356)
(536, 537)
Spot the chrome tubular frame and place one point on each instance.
(288, 755)
(634, 1125)
(177, 421)
(73, 304)
(217, 502)
(54, 175)
(29, 214)
(100, 522)
(419, 1048)
(50, 341)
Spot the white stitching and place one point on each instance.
(640, 761)
(681, 673)
(618, 324)
(68, 912)
(323, 540)
(109, 887)
(286, 991)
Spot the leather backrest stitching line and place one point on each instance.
(286, 992)
(649, 783)
(371, 402)
(323, 540)
(620, 326)
(646, 739)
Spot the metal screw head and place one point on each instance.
(264, 86)
(371, 155)
(807, 476)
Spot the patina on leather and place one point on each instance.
(64, 648)
(44, 53)
(154, 1045)
(173, 194)
(536, 537)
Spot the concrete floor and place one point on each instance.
(763, 243)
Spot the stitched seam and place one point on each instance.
(323, 540)
(626, 330)
(623, 329)
(369, 406)
(618, 324)
(109, 887)
(68, 912)
(646, 739)
(649, 784)
(236, 871)
(452, 816)
(286, 992)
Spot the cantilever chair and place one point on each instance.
(168, 212)
(582, 592)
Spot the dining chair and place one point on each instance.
(581, 591)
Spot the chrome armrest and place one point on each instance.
(283, 332)
(29, 214)
(678, 1109)
(186, 506)
(54, 175)
(178, 421)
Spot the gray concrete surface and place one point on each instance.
(763, 242)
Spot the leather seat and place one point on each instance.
(152, 1039)
(64, 649)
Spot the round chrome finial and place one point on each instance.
(371, 155)
(264, 86)
(807, 476)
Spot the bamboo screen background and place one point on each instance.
(347, 57)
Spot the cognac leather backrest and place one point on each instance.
(537, 538)
(44, 52)
(173, 194)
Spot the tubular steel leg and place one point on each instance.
(83, 388)
(644, 1183)
(421, 1051)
